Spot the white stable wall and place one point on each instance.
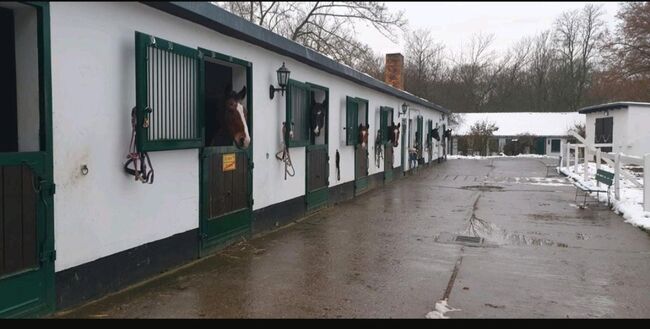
(93, 85)
(638, 139)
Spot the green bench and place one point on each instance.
(602, 176)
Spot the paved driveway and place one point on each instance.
(393, 253)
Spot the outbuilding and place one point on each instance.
(522, 132)
(619, 127)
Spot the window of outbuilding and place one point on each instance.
(604, 130)
(167, 94)
(555, 145)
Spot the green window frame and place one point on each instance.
(352, 118)
(167, 95)
(297, 113)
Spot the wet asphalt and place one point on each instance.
(392, 253)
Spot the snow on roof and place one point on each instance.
(536, 123)
(611, 106)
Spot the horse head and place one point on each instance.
(363, 135)
(394, 133)
(317, 116)
(235, 117)
(435, 134)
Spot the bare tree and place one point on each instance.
(424, 62)
(578, 35)
(326, 26)
(479, 135)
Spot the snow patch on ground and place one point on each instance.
(440, 310)
(630, 205)
(478, 157)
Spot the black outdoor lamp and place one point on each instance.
(405, 108)
(283, 78)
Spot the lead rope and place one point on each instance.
(140, 160)
(285, 157)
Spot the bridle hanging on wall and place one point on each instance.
(140, 170)
(283, 155)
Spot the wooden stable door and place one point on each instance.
(388, 162)
(317, 176)
(26, 263)
(360, 169)
(226, 196)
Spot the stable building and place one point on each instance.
(222, 110)
(539, 133)
(619, 127)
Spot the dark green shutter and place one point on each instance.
(383, 123)
(420, 130)
(167, 95)
(298, 113)
(429, 132)
(351, 122)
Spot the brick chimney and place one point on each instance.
(394, 71)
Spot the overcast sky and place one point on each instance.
(453, 23)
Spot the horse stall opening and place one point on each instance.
(226, 165)
(26, 268)
(317, 180)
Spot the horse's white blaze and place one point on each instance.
(240, 109)
(316, 130)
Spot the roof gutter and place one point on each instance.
(222, 21)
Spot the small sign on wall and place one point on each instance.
(229, 162)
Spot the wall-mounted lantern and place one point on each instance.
(283, 79)
(405, 108)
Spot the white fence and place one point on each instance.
(614, 160)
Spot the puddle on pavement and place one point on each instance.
(494, 236)
(482, 188)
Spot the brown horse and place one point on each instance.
(363, 135)
(234, 119)
(394, 133)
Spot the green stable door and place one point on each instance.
(26, 180)
(317, 162)
(385, 120)
(357, 113)
(226, 171)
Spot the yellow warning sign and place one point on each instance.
(229, 162)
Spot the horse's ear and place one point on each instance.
(242, 93)
(324, 103)
(228, 89)
(367, 126)
(398, 125)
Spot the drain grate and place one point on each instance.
(470, 239)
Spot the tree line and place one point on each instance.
(576, 62)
